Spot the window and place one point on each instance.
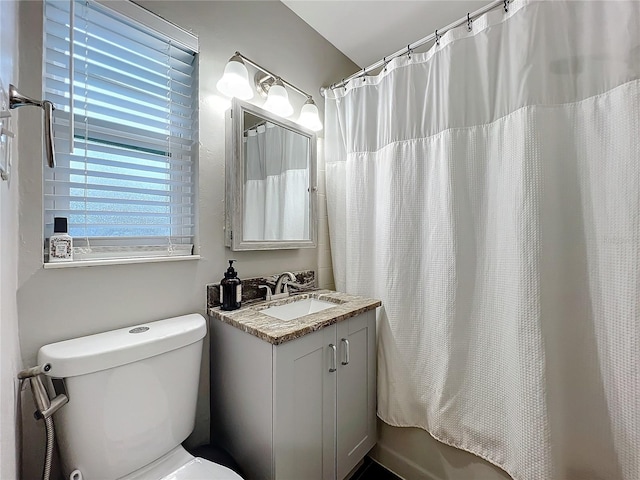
(125, 165)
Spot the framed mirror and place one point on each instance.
(270, 181)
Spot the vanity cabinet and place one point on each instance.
(301, 410)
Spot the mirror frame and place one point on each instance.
(234, 180)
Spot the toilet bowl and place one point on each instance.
(181, 465)
(132, 398)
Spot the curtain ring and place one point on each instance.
(409, 51)
(469, 21)
(384, 59)
(364, 75)
(506, 6)
(437, 38)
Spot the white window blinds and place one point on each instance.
(125, 165)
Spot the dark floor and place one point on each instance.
(216, 455)
(370, 470)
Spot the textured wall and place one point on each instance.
(9, 348)
(57, 304)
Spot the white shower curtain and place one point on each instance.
(276, 179)
(488, 192)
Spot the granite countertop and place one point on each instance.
(249, 318)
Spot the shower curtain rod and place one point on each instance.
(409, 48)
(263, 122)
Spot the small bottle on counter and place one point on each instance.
(230, 289)
(60, 243)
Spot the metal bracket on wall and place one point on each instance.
(5, 134)
(16, 100)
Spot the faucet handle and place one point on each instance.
(268, 293)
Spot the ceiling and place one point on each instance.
(366, 30)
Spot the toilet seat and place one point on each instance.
(178, 464)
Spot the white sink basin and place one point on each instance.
(297, 309)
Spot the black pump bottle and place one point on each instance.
(230, 289)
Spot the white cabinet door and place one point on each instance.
(356, 404)
(305, 407)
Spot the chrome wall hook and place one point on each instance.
(16, 100)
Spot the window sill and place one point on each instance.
(120, 261)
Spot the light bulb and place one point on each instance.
(235, 80)
(278, 100)
(309, 116)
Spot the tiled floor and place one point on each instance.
(370, 470)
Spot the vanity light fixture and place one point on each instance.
(235, 83)
(235, 80)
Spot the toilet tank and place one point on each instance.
(132, 394)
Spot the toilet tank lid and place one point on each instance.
(83, 355)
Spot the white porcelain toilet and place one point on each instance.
(132, 401)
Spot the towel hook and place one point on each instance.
(16, 100)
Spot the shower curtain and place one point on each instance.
(276, 178)
(488, 192)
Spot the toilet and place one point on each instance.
(132, 402)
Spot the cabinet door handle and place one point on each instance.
(333, 357)
(346, 351)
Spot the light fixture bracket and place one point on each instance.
(263, 83)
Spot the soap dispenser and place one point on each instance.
(60, 243)
(230, 289)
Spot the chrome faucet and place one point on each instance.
(281, 290)
(281, 284)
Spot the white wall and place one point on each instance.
(10, 361)
(9, 349)
(64, 303)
